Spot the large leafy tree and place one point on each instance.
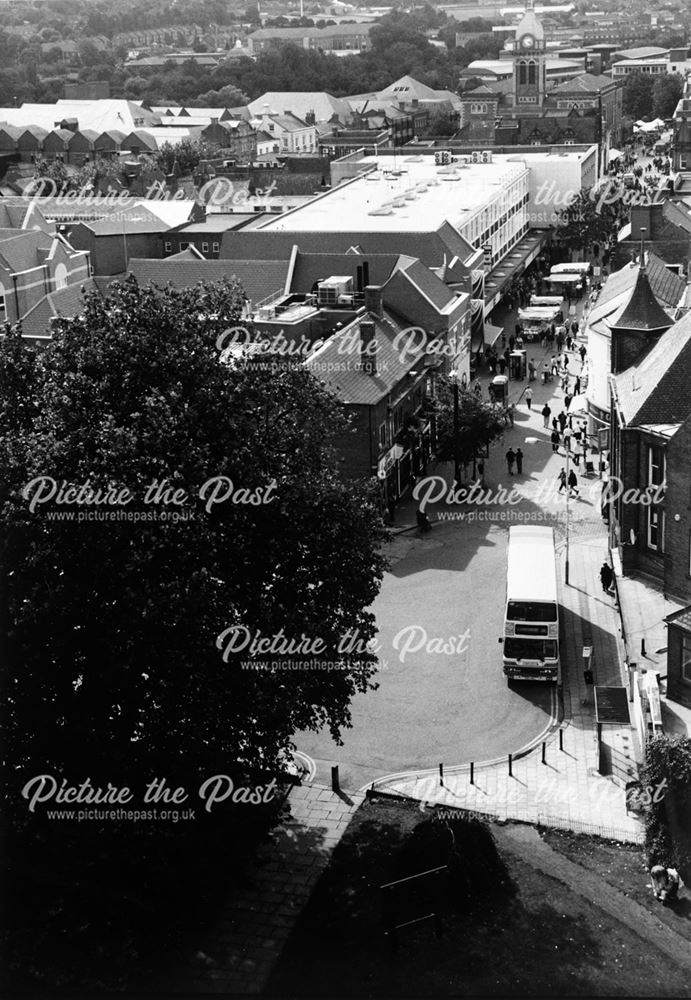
(479, 423)
(638, 95)
(112, 659)
(667, 91)
(590, 217)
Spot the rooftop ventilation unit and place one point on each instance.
(330, 290)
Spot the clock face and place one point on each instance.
(527, 41)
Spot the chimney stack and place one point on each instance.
(368, 346)
(373, 299)
(365, 273)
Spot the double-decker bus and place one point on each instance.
(531, 621)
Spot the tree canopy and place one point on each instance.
(114, 653)
(479, 423)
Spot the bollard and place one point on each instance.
(544, 751)
(561, 739)
(472, 773)
(441, 774)
(511, 765)
(643, 653)
(335, 787)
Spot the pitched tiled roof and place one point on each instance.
(23, 250)
(259, 279)
(434, 248)
(339, 369)
(432, 287)
(65, 302)
(588, 82)
(324, 105)
(313, 267)
(656, 391)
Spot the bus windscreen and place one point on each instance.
(530, 649)
(531, 611)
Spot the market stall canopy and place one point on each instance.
(571, 267)
(565, 278)
(614, 154)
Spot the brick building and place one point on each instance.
(525, 110)
(651, 444)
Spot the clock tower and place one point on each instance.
(529, 62)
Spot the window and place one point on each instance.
(522, 72)
(167, 246)
(382, 435)
(654, 532)
(205, 247)
(215, 247)
(686, 658)
(61, 276)
(182, 246)
(656, 466)
(532, 72)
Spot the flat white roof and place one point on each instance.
(531, 570)
(405, 194)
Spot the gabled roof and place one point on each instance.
(427, 282)
(656, 391)
(588, 82)
(350, 382)
(20, 251)
(259, 279)
(65, 302)
(301, 102)
(434, 248)
(288, 122)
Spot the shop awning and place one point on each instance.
(567, 279)
(614, 154)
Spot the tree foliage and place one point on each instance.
(587, 219)
(667, 90)
(638, 95)
(113, 657)
(666, 778)
(479, 423)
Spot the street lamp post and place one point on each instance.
(456, 428)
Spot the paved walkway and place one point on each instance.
(567, 790)
(240, 952)
(643, 610)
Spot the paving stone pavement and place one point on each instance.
(240, 952)
(567, 790)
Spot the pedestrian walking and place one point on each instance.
(502, 365)
(519, 461)
(478, 388)
(529, 397)
(512, 339)
(481, 473)
(510, 459)
(574, 327)
(562, 481)
(567, 397)
(606, 577)
(546, 412)
(577, 386)
(510, 409)
(573, 484)
(531, 370)
(555, 441)
(553, 365)
(562, 418)
(567, 439)
(582, 353)
(422, 521)
(568, 342)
